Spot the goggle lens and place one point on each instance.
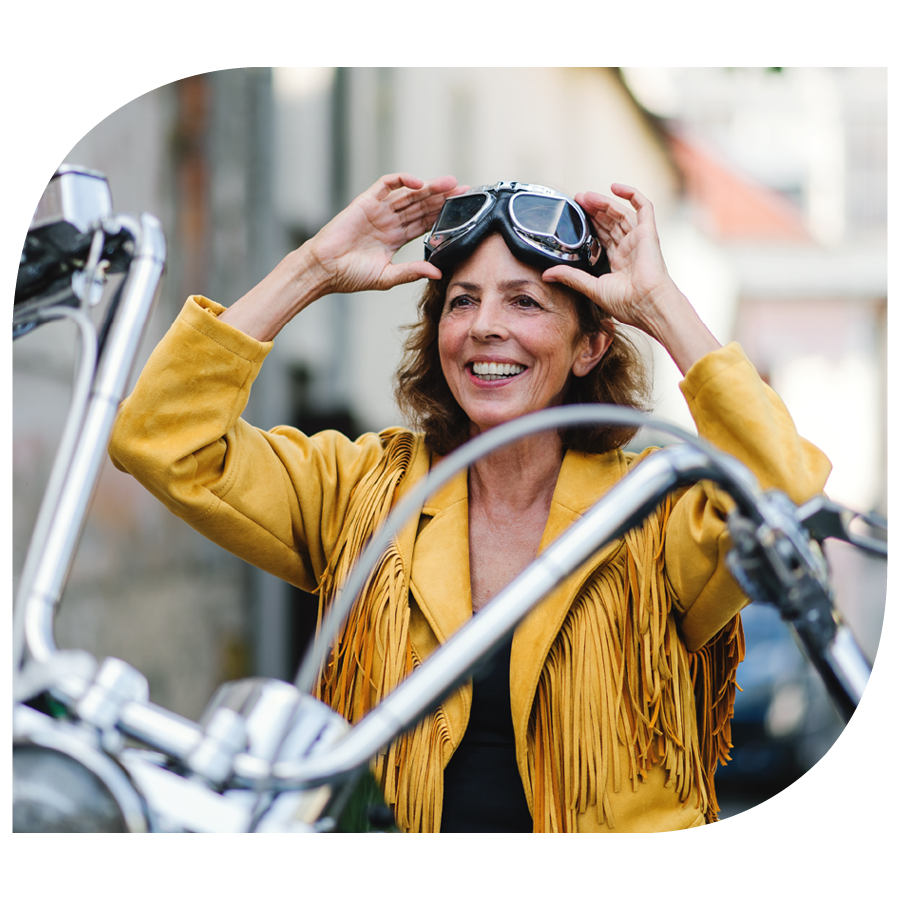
(457, 211)
(551, 216)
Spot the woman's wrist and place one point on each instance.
(298, 280)
(669, 317)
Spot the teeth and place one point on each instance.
(496, 370)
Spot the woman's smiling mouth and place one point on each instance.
(486, 371)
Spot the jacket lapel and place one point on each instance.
(439, 574)
(439, 570)
(583, 479)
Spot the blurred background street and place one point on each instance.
(770, 189)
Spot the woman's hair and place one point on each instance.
(620, 377)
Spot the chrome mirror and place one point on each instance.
(56, 267)
(74, 201)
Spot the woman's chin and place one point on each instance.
(485, 422)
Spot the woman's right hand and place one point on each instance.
(356, 248)
(353, 252)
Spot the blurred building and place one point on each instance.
(787, 171)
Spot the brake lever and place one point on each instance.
(777, 561)
(823, 518)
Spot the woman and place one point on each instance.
(620, 684)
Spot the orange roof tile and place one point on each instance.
(736, 207)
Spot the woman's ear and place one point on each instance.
(591, 350)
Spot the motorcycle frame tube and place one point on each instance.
(38, 599)
(81, 392)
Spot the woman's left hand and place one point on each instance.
(638, 290)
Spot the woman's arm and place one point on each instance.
(353, 252)
(736, 411)
(277, 499)
(730, 404)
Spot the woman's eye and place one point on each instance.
(527, 302)
(462, 300)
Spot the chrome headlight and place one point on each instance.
(63, 781)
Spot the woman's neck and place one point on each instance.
(510, 493)
(518, 476)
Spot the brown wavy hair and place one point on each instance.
(423, 395)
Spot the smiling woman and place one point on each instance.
(609, 710)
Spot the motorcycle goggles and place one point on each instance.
(541, 227)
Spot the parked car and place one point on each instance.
(784, 722)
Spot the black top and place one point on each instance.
(482, 788)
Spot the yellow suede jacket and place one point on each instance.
(621, 681)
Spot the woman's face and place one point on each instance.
(509, 341)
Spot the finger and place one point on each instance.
(416, 218)
(412, 206)
(610, 233)
(604, 235)
(414, 227)
(641, 204)
(406, 273)
(592, 202)
(388, 183)
(574, 278)
(417, 227)
(431, 196)
(434, 187)
(607, 215)
(585, 284)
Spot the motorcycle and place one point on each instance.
(91, 752)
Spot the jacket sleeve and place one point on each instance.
(276, 499)
(737, 412)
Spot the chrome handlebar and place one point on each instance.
(40, 593)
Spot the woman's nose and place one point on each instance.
(488, 321)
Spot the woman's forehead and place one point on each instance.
(493, 256)
(492, 265)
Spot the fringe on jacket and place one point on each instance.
(373, 653)
(664, 705)
(620, 634)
